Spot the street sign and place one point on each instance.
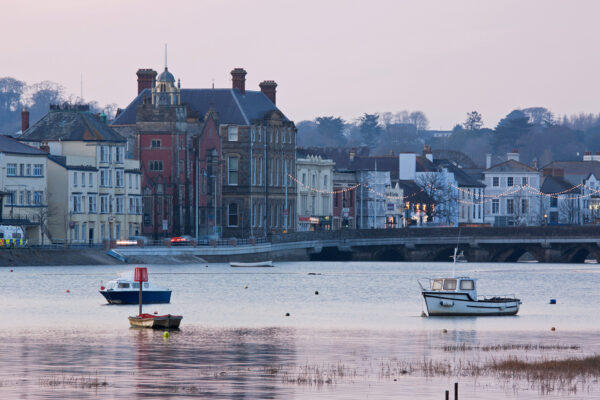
(141, 274)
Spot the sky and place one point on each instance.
(329, 57)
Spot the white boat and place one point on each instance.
(457, 296)
(254, 264)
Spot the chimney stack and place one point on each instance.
(146, 77)
(587, 156)
(238, 77)
(24, 120)
(269, 88)
(513, 156)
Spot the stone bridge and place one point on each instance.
(554, 244)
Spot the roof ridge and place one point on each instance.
(239, 106)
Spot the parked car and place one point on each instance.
(184, 240)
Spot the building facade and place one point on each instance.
(94, 191)
(23, 189)
(315, 193)
(345, 186)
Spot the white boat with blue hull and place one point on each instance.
(124, 290)
(458, 297)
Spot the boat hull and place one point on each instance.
(133, 296)
(156, 322)
(262, 264)
(459, 304)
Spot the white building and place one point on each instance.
(371, 199)
(315, 193)
(23, 183)
(94, 192)
(512, 194)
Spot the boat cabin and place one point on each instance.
(125, 284)
(457, 285)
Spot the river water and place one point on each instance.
(361, 337)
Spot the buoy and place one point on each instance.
(166, 335)
(11, 270)
(316, 292)
(552, 301)
(287, 314)
(68, 291)
(553, 329)
(444, 330)
(101, 287)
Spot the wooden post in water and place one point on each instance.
(141, 284)
(455, 390)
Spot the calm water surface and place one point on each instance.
(350, 341)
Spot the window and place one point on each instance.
(253, 170)
(467, 285)
(38, 169)
(92, 203)
(304, 178)
(38, 197)
(104, 204)
(11, 169)
(510, 206)
(553, 201)
(325, 182)
(82, 179)
(232, 133)
(437, 284)
(510, 181)
(155, 166)
(449, 284)
(495, 206)
(524, 181)
(90, 179)
(12, 197)
(120, 154)
(524, 206)
(131, 205)
(232, 170)
(28, 170)
(313, 205)
(495, 181)
(104, 153)
(129, 179)
(76, 198)
(74, 178)
(21, 169)
(119, 178)
(119, 204)
(232, 215)
(104, 177)
(304, 204)
(314, 181)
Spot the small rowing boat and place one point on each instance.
(263, 264)
(156, 321)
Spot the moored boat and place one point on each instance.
(458, 297)
(156, 321)
(250, 265)
(124, 290)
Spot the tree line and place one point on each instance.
(539, 136)
(16, 95)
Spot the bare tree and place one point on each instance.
(473, 121)
(442, 200)
(568, 209)
(418, 119)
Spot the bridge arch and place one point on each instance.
(331, 254)
(513, 254)
(578, 254)
(388, 254)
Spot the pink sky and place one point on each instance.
(340, 57)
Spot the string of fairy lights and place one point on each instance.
(478, 198)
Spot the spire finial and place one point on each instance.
(165, 56)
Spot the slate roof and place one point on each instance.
(62, 161)
(339, 155)
(576, 167)
(511, 166)
(12, 146)
(232, 106)
(462, 178)
(556, 184)
(72, 123)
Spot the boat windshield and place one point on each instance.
(467, 285)
(437, 284)
(449, 284)
(123, 285)
(136, 285)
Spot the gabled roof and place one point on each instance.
(558, 185)
(511, 166)
(232, 106)
(462, 178)
(62, 161)
(12, 146)
(70, 123)
(339, 155)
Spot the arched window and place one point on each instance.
(232, 215)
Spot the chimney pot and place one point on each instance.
(238, 78)
(269, 88)
(24, 120)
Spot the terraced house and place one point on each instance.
(93, 189)
(232, 147)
